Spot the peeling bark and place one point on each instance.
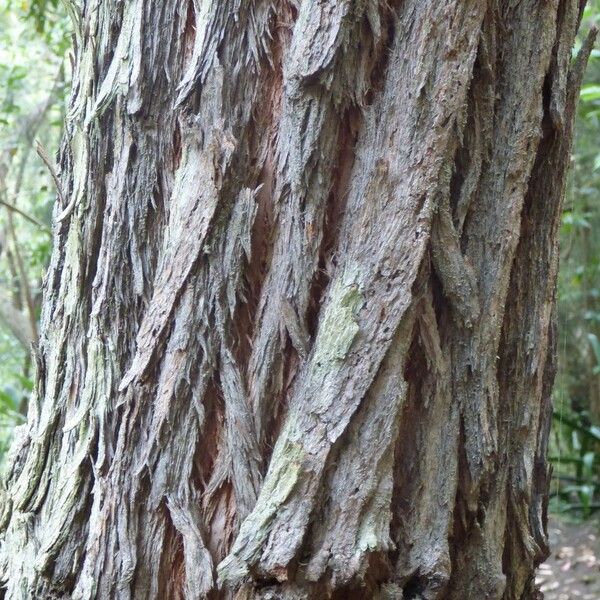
(298, 334)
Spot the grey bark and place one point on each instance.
(298, 333)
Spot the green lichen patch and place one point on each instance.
(339, 326)
(280, 481)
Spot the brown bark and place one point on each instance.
(297, 338)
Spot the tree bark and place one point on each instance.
(298, 333)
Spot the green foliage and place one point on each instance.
(39, 11)
(34, 38)
(576, 471)
(575, 444)
(47, 18)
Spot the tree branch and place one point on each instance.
(27, 216)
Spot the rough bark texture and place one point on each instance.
(298, 334)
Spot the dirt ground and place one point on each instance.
(572, 572)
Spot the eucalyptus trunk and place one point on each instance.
(298, 337)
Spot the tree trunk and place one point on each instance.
(298, 335)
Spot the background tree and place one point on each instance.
(32, 84)
(297, 337)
